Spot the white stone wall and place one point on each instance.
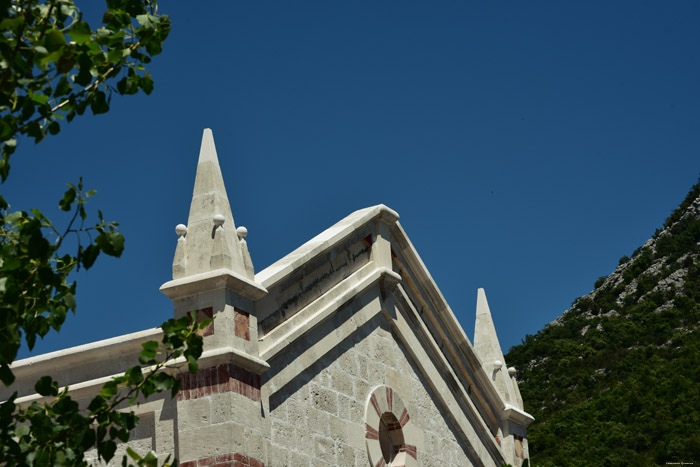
(320, 420)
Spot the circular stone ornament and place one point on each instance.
(390, 435)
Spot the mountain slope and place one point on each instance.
(615, 380)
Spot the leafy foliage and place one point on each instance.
(53, 66)
(57, 432)
(35, 295)
(615, 380)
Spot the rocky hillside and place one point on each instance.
(615, 381)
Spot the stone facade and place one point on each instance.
(342, 353)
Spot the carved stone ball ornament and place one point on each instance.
(390, 434)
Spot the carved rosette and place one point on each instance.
(390, 434)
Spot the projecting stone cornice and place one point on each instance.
(218, 279)
(324, 241)
(517, 416)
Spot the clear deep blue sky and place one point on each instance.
(527, 146)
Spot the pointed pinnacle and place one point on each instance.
(207, 152)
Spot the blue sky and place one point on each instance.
(527, 146)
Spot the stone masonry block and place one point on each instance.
(356, 435)
(318, 421)
(254, 444)
(282, 433)
(296, 412)
(338, 431)
(304, 441)
(277, 456)
(324, 449)
(344, 454)
(349, 408)
(324, 399)
(361, 390)
(348, 363)
(211, 440)
(194, 413)
(341, 381)
(297, 459)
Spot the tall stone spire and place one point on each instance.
(210, 241)
(488, 349)
(211, 254)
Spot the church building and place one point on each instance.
(342, 353)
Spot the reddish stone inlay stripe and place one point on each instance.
(370, 432)
(404, 418)
(375, 404)
(389, 398)
(225, 460)
(381, 462)
(218, 379)
(241, 320)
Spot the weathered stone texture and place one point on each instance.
(322, 421)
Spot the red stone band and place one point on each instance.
(404, 418)
(370, 432)
(375, 404)
(226, 377)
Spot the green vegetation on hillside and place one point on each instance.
(615, 381)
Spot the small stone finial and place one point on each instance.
(512, 371)
(497, 364)
(242, 232)
(219, 219)
(181, 230)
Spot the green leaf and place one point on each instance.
(98, 103)
(112, 243)
(39, 98)
(145, 21)
(134, 375)
(67, 200)
(146, 84)
(109, 389)
(46, 386)
(133, 454)
(69, 300)
(128, 85)
(38, 247)
(149, 352)
(63, 87)
(54, 127)
(151, 460)
(106, 449)
(88, 256)
(54, 40)
(192, 365)
(5, 130)
(163, 382)
(80, 32)
(114, 55)
(6, 375)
